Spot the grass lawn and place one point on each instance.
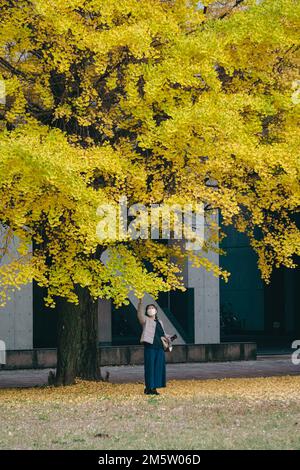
(260, 413)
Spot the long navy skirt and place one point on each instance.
(155, 367)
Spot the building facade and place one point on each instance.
(208, 312)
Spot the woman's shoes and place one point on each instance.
(151, 391)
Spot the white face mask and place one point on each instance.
(151, 311)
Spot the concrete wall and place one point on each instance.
(134, 355)
(17, 315)
(16, 320)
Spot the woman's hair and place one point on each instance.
(151, 305)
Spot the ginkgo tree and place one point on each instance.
(163, 101)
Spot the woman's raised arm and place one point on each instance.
(140, 312)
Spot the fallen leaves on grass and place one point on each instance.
(284, 388)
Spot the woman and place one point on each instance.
(154, 354)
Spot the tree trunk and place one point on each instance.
(68, 338)
(88, 361)
(77, 350)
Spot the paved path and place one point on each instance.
(263, 367)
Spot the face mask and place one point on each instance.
(151, 312)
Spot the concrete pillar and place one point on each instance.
(206, 299)
(206, 294)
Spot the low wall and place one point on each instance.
(134, 355)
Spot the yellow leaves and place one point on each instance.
(158, 99)
(200, 261)
(63, 111)
(283, 389)
(17, 271)
(16, 94)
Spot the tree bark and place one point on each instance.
(77, 349)
(88, 366)
(68, 342)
